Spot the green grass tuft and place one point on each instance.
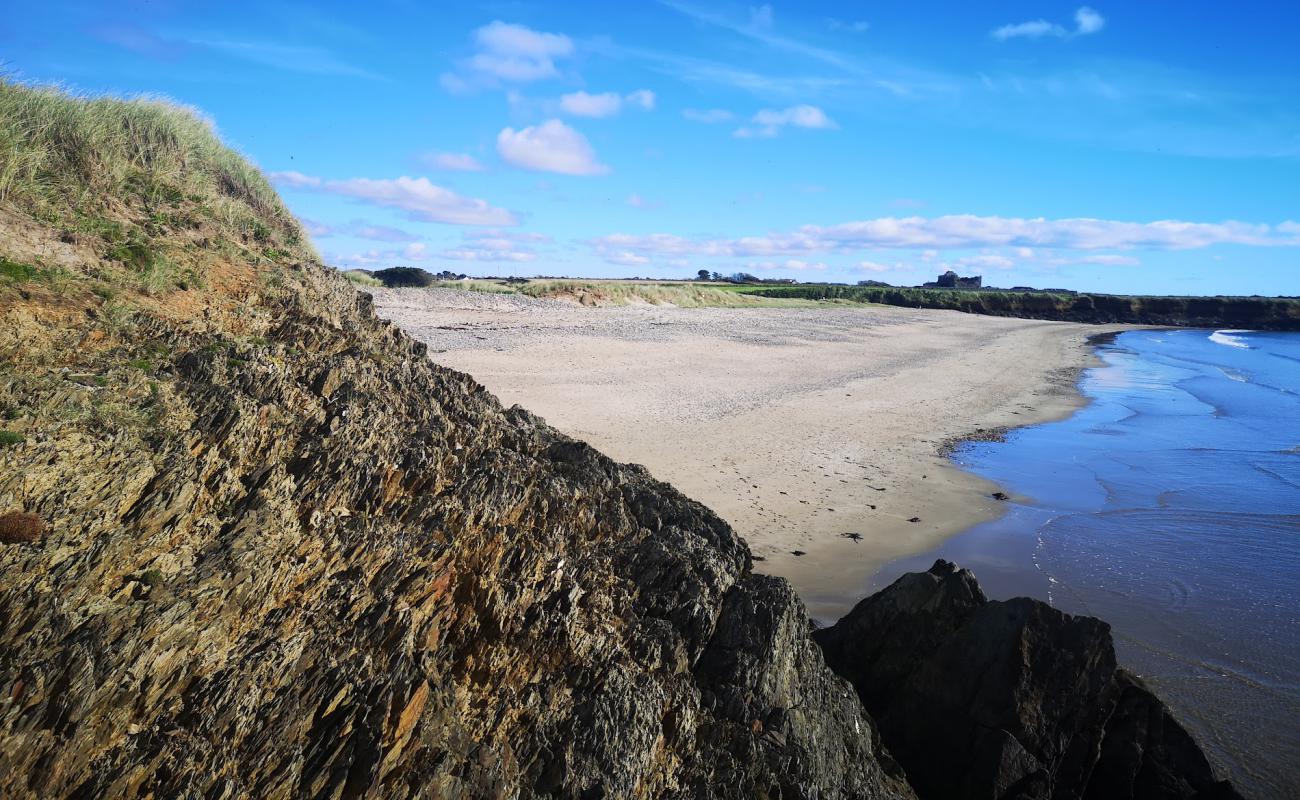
(11, 438)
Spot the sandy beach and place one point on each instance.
(816, 432)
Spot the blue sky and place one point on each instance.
(1124, 147)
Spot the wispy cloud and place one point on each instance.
(452, 162)
(769, 122)
(481, 245)
(606, 104)
(361, 230)
(625, 258)
(759, 27)
(795, 264)
(308, 60)
(549, 147)
(638, 202)
(963, 231)
(1086, 21)
(171, 46)
(509, 53)
(418, 197)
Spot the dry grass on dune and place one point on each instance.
(623, 293)
(140, 195)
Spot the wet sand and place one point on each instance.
(818, 433)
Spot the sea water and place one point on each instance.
(1170, 507)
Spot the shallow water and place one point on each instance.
(1170, 507)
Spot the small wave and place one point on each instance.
(1226, 337)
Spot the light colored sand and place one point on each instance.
(795, 425)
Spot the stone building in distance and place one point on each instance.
(951, 280)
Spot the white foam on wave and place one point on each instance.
(1226, 337)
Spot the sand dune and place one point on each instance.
(813, 431)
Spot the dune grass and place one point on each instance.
(128, 171)
(362, 278)
(489, 287)
(683, 294)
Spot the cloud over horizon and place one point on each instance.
(964, 231)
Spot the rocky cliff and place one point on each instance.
(1008, 699)
(334, 569)
(253, 543)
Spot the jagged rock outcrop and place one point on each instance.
(335, 569)
(1014, 699)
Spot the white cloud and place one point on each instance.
(964, 231)
(795, 264)
(641, 98)
(1028, 30)
(637, 201)
(626, 259)
(709, 116)
(760, 16)
(363, 230)
(1086, 21)
(606, 104)
(419, 198)
(515, 237)
(454, 162)
(549, 147)
(984, 261)
(769, 122)
(582, 104)
(873, 266)
(480, 246)
(1106, 259)
(315, 228)
(488, 254)
(294, 180)
(507, 53)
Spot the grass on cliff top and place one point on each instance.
(132, 172)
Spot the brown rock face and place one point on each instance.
(1014, 699)
(330, 568)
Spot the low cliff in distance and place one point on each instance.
(253, 543)
(1251, 313)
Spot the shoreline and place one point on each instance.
(818, 433)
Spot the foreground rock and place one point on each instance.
(1012, 699)
(347, 572)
